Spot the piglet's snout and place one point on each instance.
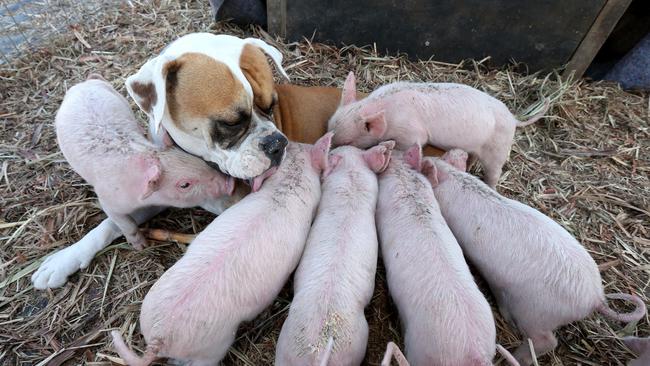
(273, 146)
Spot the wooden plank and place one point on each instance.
(276, 15)
(596, 37)
(541, 34)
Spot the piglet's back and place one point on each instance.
(96, 123)
(236, 266)
(517, 246)
(427, 275)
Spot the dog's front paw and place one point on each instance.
(56, 268)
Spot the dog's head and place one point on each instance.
(214, 95)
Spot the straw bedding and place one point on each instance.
(587, 166)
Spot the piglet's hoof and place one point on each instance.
(138, 241)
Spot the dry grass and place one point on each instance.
(587, 166)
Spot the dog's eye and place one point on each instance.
(234, 123)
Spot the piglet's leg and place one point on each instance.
(56, 268)
(492, 173)
(502, 303)
(544, 342)
(129, 228)
(492, 158)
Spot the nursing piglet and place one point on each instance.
(447, 320)
(640, 346)
(102, 141)
(235, 267)
(541, 276)
(336, 276)
(444, 115)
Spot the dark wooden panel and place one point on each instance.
(541, 33)
(597, 35)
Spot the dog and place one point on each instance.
(214, 95)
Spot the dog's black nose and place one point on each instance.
(273, 146)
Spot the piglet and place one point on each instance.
(541, 276)
(444, 115)
(640, 346)
(102, 141)
(235, 267)
(447, 320)
(336, 276)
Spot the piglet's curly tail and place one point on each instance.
(328, 352)
(129, 356)
(507, 356)
(633, 316)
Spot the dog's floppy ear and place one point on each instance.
(148, 88)
(273, 52)
(257, 70)
(258, 73)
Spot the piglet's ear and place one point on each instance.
(375, 124)
(333, 161)
(413, 157)
(164, 138)
(430, 171)
(320, 152)
(151, 176)
(349, 94)
(456, 158)
(378, 156)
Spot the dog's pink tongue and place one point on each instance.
(257, 181)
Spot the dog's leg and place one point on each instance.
(56, 268)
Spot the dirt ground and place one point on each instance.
(586, 165)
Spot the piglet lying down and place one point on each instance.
(235, 267)
(336, 275)
(133, 178)
(99, 136)
(541, 276)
